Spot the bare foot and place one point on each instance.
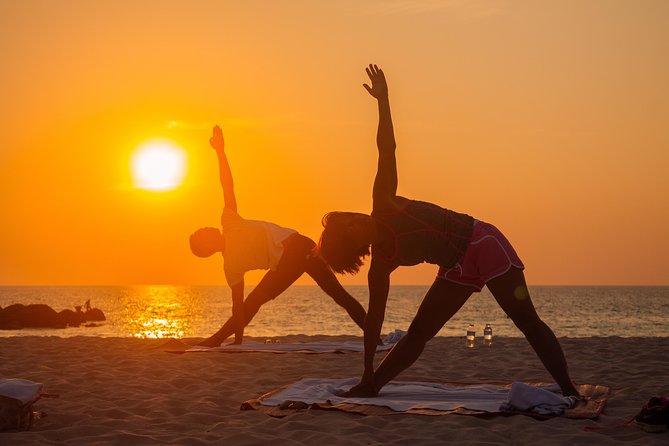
(364, 390)
(209, 342)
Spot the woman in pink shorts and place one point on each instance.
(488, 255)
(403, 232)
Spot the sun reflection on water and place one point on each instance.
(160, 311)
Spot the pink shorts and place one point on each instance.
(488, 255)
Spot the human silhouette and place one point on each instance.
(402, 232)
(248, 245)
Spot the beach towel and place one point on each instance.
(298, 347)
(542, 400)
(424, 398)
(303, 347)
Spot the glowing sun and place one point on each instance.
(158, 165)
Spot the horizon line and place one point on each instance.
(303, 285)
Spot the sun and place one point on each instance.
(158, 165)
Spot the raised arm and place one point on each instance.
(385, 183)
(218, 144)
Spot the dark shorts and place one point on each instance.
(298, 257)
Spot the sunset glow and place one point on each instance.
(158, 165)
(546, 119)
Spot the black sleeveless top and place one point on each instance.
(423, 232)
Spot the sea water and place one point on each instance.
(198, 311)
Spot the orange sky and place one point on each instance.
(548, 119)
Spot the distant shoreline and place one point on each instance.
(311, 285)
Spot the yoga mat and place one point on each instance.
(417, 397)
(307, 347)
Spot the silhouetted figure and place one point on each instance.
(247, 245)
(402, 232)
(18, 316)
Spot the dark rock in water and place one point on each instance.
(71, 318)
(95, 314)
(29, 316)
(18, 316)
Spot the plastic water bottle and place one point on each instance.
(471, 335)
(487, 335)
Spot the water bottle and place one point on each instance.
(471, 335)
(487, 335)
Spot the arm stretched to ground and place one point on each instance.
(237, 321)
(238, 315)
(218, 144)
(379, 286)
(385, 182)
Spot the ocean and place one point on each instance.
(197, 311)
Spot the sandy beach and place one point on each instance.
(130, 391)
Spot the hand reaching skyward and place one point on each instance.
(379, 88)
(216, 141)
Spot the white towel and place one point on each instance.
(405, 395)
(394, 336)
(541, 400)
(397, 395)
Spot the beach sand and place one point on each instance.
(131, 392)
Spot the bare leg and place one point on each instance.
(326, 279)
(511, 293)
(441, 302)
(290, 268)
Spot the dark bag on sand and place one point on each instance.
(17, 397)
(654, 415)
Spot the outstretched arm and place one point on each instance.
(238, 311)
(218, 144)
(378, 280)
(235, 324)
(379, 286)
(385, 183)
